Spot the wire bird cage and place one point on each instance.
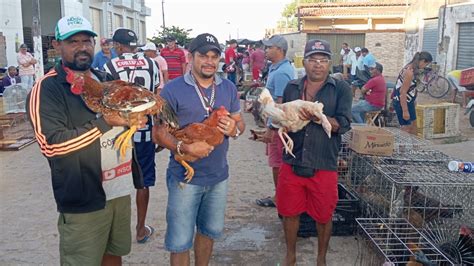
(344, 158)
(416, 185)
(394, 241)
(403, 142)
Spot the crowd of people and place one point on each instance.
(92, 184)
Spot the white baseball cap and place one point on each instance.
(149, 46)
(357, 49)
(70, 25)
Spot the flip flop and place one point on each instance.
(265, 202)
(145, 239)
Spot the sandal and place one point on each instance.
(265, 202)
(151, 230)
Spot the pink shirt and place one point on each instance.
(163, 67)
(378, 89)
(24, 59)
(257, 58)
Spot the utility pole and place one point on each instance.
(37, 41)
(163, 12)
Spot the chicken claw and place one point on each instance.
(287, 141)
(189, 171)
(122, 141)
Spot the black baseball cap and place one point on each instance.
(205, 42)
(125, 36)
(315, 46)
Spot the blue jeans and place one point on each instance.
(360, 108)
(191, 206)
(28, 80)
(232, 76)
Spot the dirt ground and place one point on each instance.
(253, 235)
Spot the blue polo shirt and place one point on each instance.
(100, 59)
(181, 95)
(278, 76)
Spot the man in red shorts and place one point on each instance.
(308, 182)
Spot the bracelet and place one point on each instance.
(237, 133)
(178, 148)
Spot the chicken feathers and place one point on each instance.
(286, 117)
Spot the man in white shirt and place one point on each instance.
(139, 69)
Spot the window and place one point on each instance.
(96, 20)
(118, 21)
(129, 23)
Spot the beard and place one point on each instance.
(80, 65)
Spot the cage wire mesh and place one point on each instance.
(394, 241)
(415, 185)
(403, 142)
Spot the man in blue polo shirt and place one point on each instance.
(201, 203)
(280, 72)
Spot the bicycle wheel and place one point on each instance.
(438, 87)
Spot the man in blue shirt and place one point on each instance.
(201, 203)
(280, 72)
(369, 58)
(104, 55)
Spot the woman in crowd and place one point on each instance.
(405, 93)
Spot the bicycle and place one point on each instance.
(436, 85)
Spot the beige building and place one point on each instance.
(376, 25)
(446, 32)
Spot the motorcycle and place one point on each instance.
(470, 111)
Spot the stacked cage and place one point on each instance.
(397, 242)
(415, 185)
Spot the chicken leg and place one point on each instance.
(287, 141)
(189, 170)
(122, 141)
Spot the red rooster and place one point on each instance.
(199, 132)
(118, 97)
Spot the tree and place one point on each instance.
(180, 34)
(291, 9)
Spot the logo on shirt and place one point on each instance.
(118, 171)
(131, 63)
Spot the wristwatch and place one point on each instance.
(236, 134)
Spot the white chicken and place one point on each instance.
(286, 117)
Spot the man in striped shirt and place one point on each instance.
(175, 58)
(139, 69)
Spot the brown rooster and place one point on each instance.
(205, 131)
(117, 97)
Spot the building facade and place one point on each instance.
(376, 25)
(104, 15)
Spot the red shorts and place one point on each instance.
(255, 73)
(275, 151)
(316, 196)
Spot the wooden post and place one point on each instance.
(37, 40)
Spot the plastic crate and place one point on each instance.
(437, 120)
(343, 220)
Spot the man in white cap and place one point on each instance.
(139, 69)
(150, 50)
(91, 183)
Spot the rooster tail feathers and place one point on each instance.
(168, 116)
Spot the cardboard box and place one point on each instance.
(372, 141)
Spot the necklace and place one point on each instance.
(207, 103)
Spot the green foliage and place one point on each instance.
(181, 35)
(291, 8)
